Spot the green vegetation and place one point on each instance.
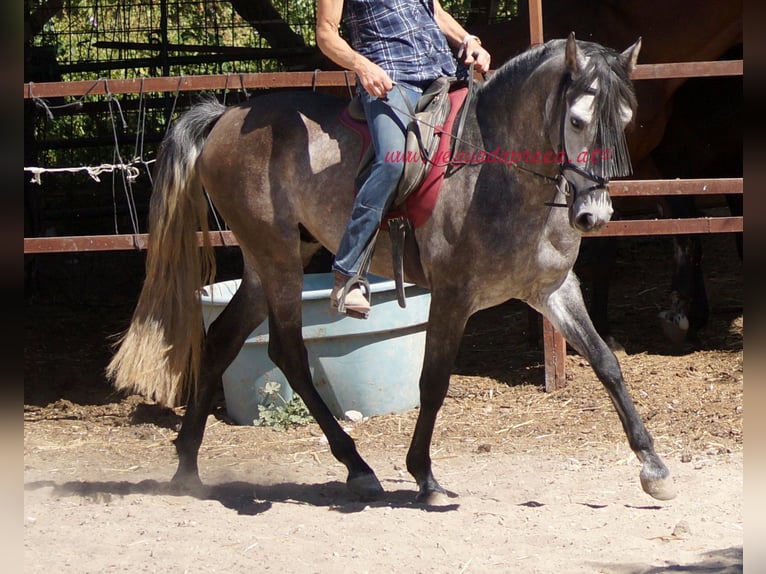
(138, 38)
(278, 413)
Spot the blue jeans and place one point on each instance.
(388, 133)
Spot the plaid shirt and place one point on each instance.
(401, 36)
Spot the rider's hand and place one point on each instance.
(373, 78)
(475, 54)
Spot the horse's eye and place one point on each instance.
(576, 123)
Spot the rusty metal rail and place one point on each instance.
(670, 187)
(266, 80)
(660, 187)
(317, 79)
(127, 242)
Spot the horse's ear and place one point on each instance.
(573, 58)
(630, 56)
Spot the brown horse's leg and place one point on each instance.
(595, 265)
(566, 311)
(288, 352)
(224, 340)
(446, 324)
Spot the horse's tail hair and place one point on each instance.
(159, 355)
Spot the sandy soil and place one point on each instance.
(539, 482)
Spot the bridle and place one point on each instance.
(562, 182)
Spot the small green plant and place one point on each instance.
(274, 411)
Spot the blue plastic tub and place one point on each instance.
(371, 366)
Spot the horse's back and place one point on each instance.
(276, 113)
(275, 158)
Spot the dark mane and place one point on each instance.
(604, 65)
(614, 89)
(522, 65)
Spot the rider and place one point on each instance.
(397, 42)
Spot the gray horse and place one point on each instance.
(280, 170)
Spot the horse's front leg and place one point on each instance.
(688, 304)
(446, 324)
(565, 309)
(224, 340)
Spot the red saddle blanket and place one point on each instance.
(419, 205)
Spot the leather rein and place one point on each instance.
(563, 184)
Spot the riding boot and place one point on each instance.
(347, 296)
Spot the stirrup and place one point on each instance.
(360, 277)
(364, 286)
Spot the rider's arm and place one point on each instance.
(457, 37)
(372, 77)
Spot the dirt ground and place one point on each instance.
(539, 482)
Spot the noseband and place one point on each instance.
(564, 184)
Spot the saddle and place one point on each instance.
(422, 139)
(427, 155)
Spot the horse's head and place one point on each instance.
(597, 104)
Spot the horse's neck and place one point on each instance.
(512, 109)
(506, 130)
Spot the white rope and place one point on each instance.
(131, 171)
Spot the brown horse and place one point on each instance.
(679, 31)
(282, 165)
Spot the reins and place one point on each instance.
(562, 183)
(458, 139)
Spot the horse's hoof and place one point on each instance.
(433, 498)
(186, 483)
(431, 493)
(365, 486)
(675, 326)
(659, 488)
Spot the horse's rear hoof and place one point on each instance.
(186, 483)
(659, 488)
(365, 486)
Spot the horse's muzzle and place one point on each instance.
(591, 210)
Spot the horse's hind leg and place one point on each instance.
(566, 311)
(224, 340)
(283, 289)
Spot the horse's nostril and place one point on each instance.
(585, 221)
